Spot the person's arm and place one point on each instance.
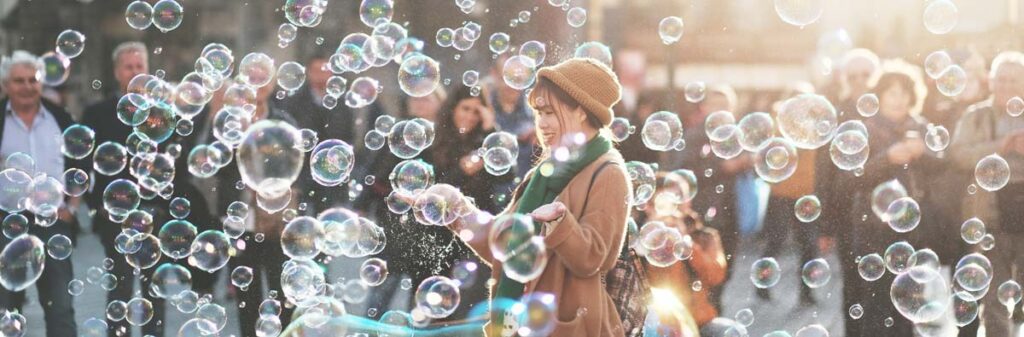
(708, 260)
(972, 140)
(584, 243)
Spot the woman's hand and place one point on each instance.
(549, 212)
(471, 164)
(486, 118)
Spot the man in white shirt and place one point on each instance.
(32, 126)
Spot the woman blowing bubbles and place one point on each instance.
(577, 197)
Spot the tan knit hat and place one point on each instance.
(589, 82)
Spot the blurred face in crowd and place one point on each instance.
(1007, 83)
(22, 87)
(425, 107)
(317, 75)
(129, 64)
(895, 102)
(555, 119)
(858, 73)
(467, 114)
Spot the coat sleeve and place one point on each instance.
(584, 243)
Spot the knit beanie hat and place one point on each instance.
(589, 82)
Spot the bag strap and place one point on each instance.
(591, 186)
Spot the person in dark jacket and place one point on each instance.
(898, 151)
(33, 126)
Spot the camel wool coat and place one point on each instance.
(581, 249)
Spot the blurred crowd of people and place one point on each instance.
(732, 202)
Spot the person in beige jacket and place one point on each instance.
(577, 196)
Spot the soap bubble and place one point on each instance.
(595, 50)
(215, 314)
(576, 17)
(726, 141)
(519, 72)
(15, 225)
(70, 43)
(332, 162)
(374, 13)
(621, 129)
(55, 69)
(1009, 294)
(211, 250)
(438, 296)
(992, 172)
(500, 150)
(110, 158)
(242, 277)
(21, 262)
(920, 294)
(537, 314)
(644, 182)
(256, 69)
(120, 197)
(362, 92)
(663, 131)
(78, 141)
(1015, 106)
(937, 138)
(440, 205)
(816, 273)
(411, 176)
(290, 75)
(373, 272)
(808, 208)
(776, 160)
(871, 267)
(300, 238)
(808, 120)
(16, 188)
(964, 311)
(952, 81)
(59, 247)
(940, 17)
(147, 251)
(867, 105)
(167, 15)
(508, 232)
(897, 257)
(757, 128)
(419, 75)
(302, 280)
(936, 62)
(176, 238)
(670, 29)
(116, 310)
(695, 91)
(972, 230)
(765, 273)
(799, 12)
(527, 261)
(498, 43)
(884, 195)
(269, 157)
(139, 15)
(904, 214)
(170, 279)
(180, 208)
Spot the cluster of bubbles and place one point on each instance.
(515, 242)
(406, 139)
(500, 151)
(663, 245)
(165, 15)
